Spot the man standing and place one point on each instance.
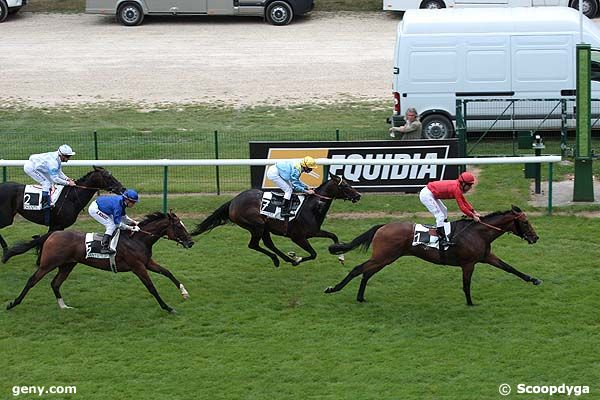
(410, 130)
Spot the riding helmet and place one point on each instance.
(66, 150)
(467, 177)
(132, 195)
(308, 162)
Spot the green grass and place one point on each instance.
(78, 6)
(252, 331)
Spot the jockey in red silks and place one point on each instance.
(432, 194)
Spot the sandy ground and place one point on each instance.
(54, 59)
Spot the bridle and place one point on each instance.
(519, 217)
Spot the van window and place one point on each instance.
(595, 73)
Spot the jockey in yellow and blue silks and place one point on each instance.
(286, 175)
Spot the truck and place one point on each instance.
(132, 12)
(589, 7)
(10, 7)
(496, 55)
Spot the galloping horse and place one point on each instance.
(70, 203)
(473, 244)
(244, 210)
(64, 249)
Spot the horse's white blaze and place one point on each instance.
(184, 292)
(61, 304)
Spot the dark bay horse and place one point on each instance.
(64, 249)
(244, 210)
(473, 244)
(68, 206)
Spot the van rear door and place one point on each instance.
(160, 6)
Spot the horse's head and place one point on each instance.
(339, 188)
(521, 226)
(176, 231)
(102, 179)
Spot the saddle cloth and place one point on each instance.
(272, 202)
(93, 245)
(426, 235)
(32, 196)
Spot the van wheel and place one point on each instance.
(590, 7)
(279, 13)
(433, 4)
(437, 127)
(130, 14)
(3, 10)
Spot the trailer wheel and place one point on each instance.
(130, 14)
(279, 13)
(590, 7)
(3, 10)
(433, 4)
(436, 126)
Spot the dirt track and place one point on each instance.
(55, 59)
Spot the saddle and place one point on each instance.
(32, 196)
(93, 245)
(426, 235)
(272, 203)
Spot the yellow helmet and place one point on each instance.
(308, 162)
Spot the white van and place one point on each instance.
(590, 7)
(485, 53)
(10, 7)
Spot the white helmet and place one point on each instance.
(66, 150)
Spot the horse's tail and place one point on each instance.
(363, 240)
(217, 218)
(23, 247)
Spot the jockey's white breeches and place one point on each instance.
(37, 176)
(435, 206)
(273, 175)
(104, 219)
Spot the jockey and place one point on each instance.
(45, 169)
(110, 212)
(432, 194)
(286, 175)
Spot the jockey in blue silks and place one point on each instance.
(110, 212)
(286, 175)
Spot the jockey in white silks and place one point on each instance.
(286, 175)
(46, 169)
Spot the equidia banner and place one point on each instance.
(373, 178)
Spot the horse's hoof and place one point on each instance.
(172, 311)
(536, 282)
(9, 306)
(361, 300)
(329, 289)
(186, 296)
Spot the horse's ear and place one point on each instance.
(332, 176)
(516, 209)
(96, 168)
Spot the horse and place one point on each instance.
(244, 210)
(68, 206)
(472, 245)
(64, 249)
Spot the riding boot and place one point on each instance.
(286, 208)
(443, 240)
(45, 200)
(106, 245)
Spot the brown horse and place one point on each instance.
(64, 249)
(473, 245)
(244, 210)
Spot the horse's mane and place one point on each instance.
(153, 217)
(495, 214)
(83, 178)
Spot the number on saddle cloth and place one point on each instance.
(32, 196)
(93, 246)
(425, 235)
(272, 203)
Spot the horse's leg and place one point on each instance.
(467, 272)
(33, 279)
(492, 259)
(351, 275)
(4, 245)
(63, 273)
(334, 238)
(155, 267)
(268, 241)
(142, 273)
(254, 244)
(305, 245)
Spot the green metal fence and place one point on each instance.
(179, 145)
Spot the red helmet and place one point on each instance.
(466, 177)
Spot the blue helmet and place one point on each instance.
(132, 195)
